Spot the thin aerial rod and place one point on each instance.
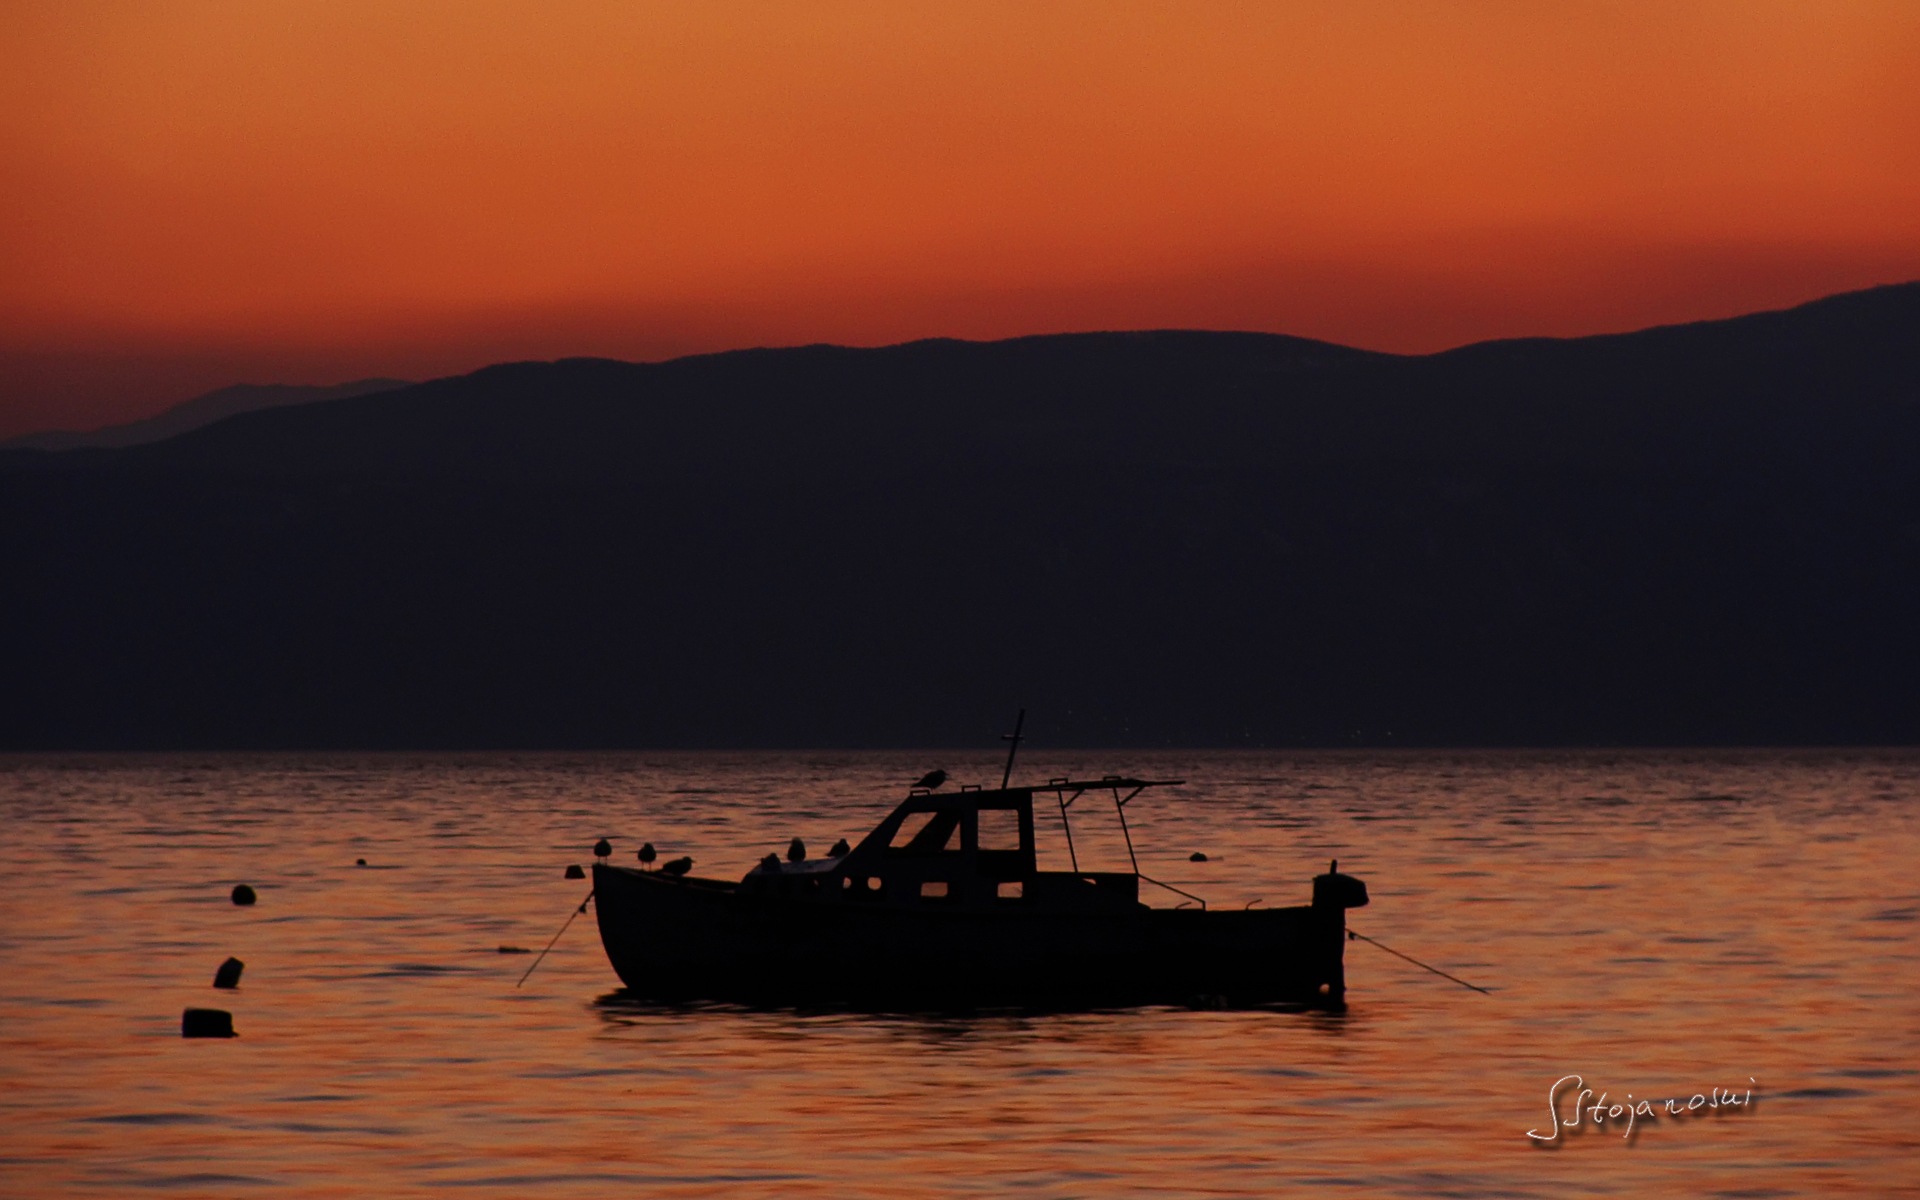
(1014, 737)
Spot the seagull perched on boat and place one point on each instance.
(840, 849)
(771, 864)
(602, 848)
(679, 866)
(932, 779)
(647, 854)
(796, 851)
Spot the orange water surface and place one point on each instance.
(1660, 923)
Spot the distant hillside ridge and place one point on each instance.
(1696, 534)
(199, 411)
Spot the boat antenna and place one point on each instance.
(1019, 723)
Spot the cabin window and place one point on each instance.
(1010, 889)
(926, 833)
(999, 829)
(933, 889)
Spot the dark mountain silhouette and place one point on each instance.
(1699, 534)
(199, 411)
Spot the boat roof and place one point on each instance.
(1062, 784)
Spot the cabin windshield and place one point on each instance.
(927, 833)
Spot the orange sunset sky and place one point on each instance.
(197, 194)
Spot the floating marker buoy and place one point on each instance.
(574, 871)
(229, 973)
(359, 862)
(206, 1023)
(1196, 856)
(242, 894)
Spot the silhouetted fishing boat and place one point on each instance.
(943, 905)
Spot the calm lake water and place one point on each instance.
(1661, 923)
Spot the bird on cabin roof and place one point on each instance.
(932, 779)
(602, 848)
(679, 866)
(771, 864)
(647, 854)
(840, 849)
(796, 851)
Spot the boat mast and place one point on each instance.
(1018, 723)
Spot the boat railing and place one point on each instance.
(1176, 891)
(1061, 787)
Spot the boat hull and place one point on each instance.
(687, 939)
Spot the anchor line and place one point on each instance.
(1416, 962)
(556, 937)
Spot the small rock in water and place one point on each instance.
(206, 1023)
(1196, 856)
(574, 871)
(242, 894)
(228, 975)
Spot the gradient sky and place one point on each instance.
(196, 193)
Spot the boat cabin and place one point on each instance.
(971, 849)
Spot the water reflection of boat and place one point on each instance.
(943, 904)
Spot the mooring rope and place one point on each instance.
(556, 937)
(1416, 962)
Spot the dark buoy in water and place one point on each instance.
(359, 862)
(1196, 856)
(647, 854)
(574, 871)
(840, 849)
(228, 976)
(206, 1023)
(602, 848)
(679, 866)
(242, 894)
(796, 851)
